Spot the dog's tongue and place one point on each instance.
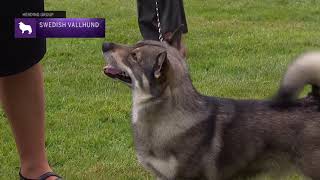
(112, 70)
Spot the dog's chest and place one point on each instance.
(154, 134)
(159, 127)
(162, 167)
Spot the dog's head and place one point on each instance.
(20, 23)
(148, 66)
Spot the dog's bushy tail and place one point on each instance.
(303, 71)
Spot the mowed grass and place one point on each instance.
(236, 49)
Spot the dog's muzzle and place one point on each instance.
(107, 47)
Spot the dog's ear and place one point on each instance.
(160, 65)
(174, 38)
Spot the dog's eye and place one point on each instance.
(134, 56)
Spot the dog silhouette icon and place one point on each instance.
(24, 27)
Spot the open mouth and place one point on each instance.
(116, 73)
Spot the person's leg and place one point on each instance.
(22, 97)
(171, 15)
(147, 19)
(173, 19)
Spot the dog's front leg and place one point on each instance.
(159, 178)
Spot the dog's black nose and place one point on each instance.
(107, 46)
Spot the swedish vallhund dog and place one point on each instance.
(180, 134)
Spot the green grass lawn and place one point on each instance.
(236, 49)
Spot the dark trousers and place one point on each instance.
(171, 13)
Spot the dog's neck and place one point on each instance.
(181, 97)
(176, 111)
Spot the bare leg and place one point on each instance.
(22, 97)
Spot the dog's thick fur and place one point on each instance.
(180, 134)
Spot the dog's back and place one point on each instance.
(259, 131)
